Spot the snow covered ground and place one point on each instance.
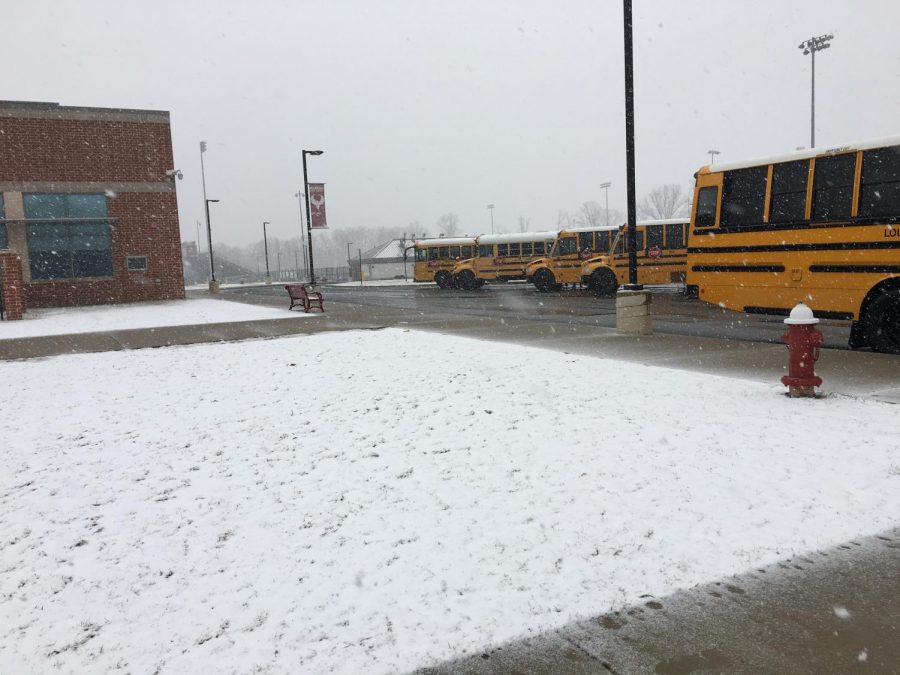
(66, 320)
(369, 502)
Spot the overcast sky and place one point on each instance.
(424, 107)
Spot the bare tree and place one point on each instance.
(448, 224)
(524, 223)
(591, 214)
(666, 201)
(563, 220)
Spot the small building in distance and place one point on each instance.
(385, 261)
(88, 204)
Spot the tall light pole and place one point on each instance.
(629, 150)
(266, 247)
(605, 187)
(348, 260)
(811, 46)
(299, 196)
(312, 269)
(491, 209)
(213, 284)
(712, 156)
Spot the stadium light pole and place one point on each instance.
(811, 46)
(213, 284)
(605, 187)
(712, 156)
(491, 209)
(312, 269)
(629, 150)
(266, 247)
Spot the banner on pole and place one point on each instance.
(317, 206)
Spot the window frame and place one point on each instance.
(829, 217)
(707, 189)
(130, 258)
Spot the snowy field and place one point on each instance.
(66, 320)
(370, 502)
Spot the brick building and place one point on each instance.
(87, 205)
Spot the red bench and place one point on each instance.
(301, 296)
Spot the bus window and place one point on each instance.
(421, 254)
(675, 236)
(539, 248)
(515, 250)
(833, 187)
(654, 236)
(789, 192)
(443, 252)
(466, 252)
(432, 254)
(485, 250)
(454, 252)
(526, 249)
(743, 194)
(566, 246)
(603, 242)
(585, 241)
(706, 207)
(502, 250)
(879, 185)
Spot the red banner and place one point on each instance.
(317, 206)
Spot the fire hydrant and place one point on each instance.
(803, 340)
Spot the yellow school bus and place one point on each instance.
(435, 258)
(502, 257)
(815, 226)
(661, 257)
(572, 247)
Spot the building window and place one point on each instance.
(879, 189)
(137, 263)
(789, 191)
(833, 187)
(706, 207)
(74, 239)
(743, 195)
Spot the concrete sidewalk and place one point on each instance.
(844, 372)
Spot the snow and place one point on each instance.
(386, 282)
(518, 237)
(371, 502)
(68, 320)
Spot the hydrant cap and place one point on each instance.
(801, 315)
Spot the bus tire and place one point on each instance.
(544, 280)
(443, 279)
(883, 322)
(603, 282)
(467, 281)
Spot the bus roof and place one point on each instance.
(517, 237)
(445, 241)
(665, 221)
(598, 228)
(809, 153)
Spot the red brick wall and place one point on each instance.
(83, 150)
(12, 285)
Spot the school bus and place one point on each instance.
(817, 226)
(435, 258)
(661, 257)
(563, 263)
(501, 257)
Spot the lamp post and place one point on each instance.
(299, 196)
(712, 156)
(811, 46)
(629, 150)
(266, 247)
(605, 187)
(348, 260)
(312, 269)
(491, 209)
(213, 284)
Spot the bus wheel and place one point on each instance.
(467, 281)
(883, 322)
(544, 280)
(443, 279)
(603, 282)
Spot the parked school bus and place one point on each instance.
(816, 226)
(502, 257)
(563, 263)
(435, 258)
(661, 257)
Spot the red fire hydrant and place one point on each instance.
(803, 340)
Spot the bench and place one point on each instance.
(301, 296)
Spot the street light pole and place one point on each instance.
(266, 247)
(712, 156)
(299, 197)
(605, 187)
(491, 209)
(312, 269)
(348, 260)
(213, 284)
(811, 46)
(629, 150)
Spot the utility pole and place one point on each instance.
(266, 247)
(605, 187)
(712, 156)
(213, 284)
(491, 209)
(811, 46)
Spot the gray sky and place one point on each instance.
(425, 106)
